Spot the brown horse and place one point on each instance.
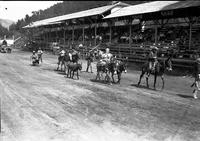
(121, 66)
(160, 69)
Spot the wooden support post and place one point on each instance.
(56, 36)
(64, 35)
(83, 35)
(190, 35)
(95, 34)
(44, 34)
(49, 35)
(156, 34)
(46, 40)
(110, 38)
(130, 34)
(73, 35)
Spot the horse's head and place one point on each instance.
(114, 66)
(125, 64)
(80, 66)
(122, 66)
(168, 64)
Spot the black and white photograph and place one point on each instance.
(100, 70)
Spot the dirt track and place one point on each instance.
(38, 103)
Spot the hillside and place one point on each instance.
(6, 23)
(66, 7)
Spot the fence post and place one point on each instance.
(190, 35)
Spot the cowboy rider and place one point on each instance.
(152, 58)
(106, 57)
(34, 57)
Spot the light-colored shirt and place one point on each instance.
(62, 53)
(40, 52)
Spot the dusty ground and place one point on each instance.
(39, 103)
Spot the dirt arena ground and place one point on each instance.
(39, 103)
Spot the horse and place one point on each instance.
(106, 68)
(121, 66)
(72, 67)
(160, 69)
(61, 61)
(67, 57)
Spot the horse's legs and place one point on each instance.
(155, 78)
(70, 73)
(163, 82)
(73, 75)
(87, 66)
(108, 78)
(91, 67)
(147, 79)
(101, 75)
(97, 75)
(58, 66)
(61, 66)
(119, 77)
(105, 79)
(142, 74)
(77, 75)
(113, 78)
(67, 71)
(65, 68)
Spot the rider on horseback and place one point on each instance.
(152, 58)
(106, 57)
(34, 58)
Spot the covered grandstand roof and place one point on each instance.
(86, 13)
(151, 7)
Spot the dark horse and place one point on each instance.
(121, 66)
(72, 68)
(61, 61)
(160, 69)
(64, 60)
(106, 68)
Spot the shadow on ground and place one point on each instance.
(185, 96)
(142, 86)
